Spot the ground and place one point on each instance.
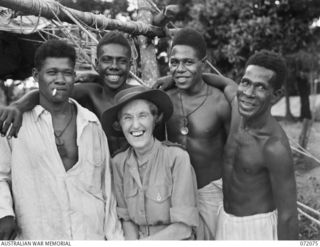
(307, 176)
(307, 170)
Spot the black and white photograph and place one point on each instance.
(159, 120)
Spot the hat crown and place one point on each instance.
(128, 93)
(156, 96)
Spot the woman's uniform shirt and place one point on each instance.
(159, 192)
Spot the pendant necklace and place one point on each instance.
(184, 130)
(60, 143)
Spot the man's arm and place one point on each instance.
(228, 86)
(13, 114)
(82, 90)
(164, 83)
(8, 226)
(28, 101)
(280, 165)
(225, 114)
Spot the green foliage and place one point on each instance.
(235, 29)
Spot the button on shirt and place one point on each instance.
(166, 193)
(50, 202)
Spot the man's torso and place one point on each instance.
(247, 188)
(207, 135)
(50, 202)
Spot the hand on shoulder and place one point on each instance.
(164, 83)
(10, 120)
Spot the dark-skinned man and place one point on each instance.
(259, 188)
(113, 65)
(200, 123)
(55, 179)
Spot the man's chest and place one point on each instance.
(244, 152)
(101, 104)
(201, 119)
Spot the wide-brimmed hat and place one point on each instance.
(156, 96)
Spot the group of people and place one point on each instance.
(204, 160)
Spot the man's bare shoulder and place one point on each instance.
(220, 101)
(277, 148)
(217, 94)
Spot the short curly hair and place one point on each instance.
(191, 37)
(114, 37)
(54, 48)
(273, 61)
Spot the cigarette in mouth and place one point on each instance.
(54, 92)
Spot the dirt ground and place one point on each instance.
(307, 176)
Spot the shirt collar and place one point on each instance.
(83, 114)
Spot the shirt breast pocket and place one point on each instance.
(92, 170)
(159, 203)
(159, 193)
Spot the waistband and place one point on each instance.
(254, 217)
(216, 184)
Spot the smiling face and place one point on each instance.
(113, 65)
(185, 67)
(55, 74)
(137, 123)
(255, 93)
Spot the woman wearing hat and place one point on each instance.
(155, 184)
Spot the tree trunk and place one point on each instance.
(304, 92)
(52, 10)
(305, 132)
(149, 65)
(288, 115)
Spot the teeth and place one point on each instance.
(247, 103)
(181, 79)
(54, 92)
(113, 77)
(137, 133)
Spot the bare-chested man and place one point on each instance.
(200, 122)
(55, 179)
(113, 65)
(259, 186)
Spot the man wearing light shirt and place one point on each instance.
(55, 180)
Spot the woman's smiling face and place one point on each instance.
(137, 123)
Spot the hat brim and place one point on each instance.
(157, 97)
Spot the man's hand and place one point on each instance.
(164, 83)
(8, 228)
(10, 116)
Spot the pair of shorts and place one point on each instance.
(253, 227)
(210, 198)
